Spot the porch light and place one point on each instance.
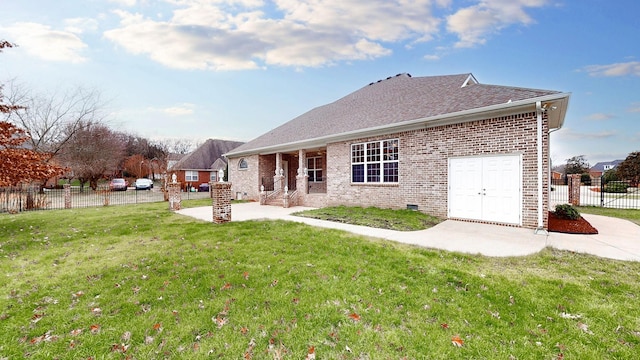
(221, 175)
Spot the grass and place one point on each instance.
(402, 220)
(139, 281)
(629, 214)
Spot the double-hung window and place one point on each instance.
(191, 175)
(314, 169)
(375, 162)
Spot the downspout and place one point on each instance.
(540, 229)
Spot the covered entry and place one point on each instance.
(486, 188)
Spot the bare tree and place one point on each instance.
(51, 120)
(93, 152)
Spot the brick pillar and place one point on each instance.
(574, 189)
(175, 198)
(67, 196)
(221, 199)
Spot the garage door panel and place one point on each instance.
(465, 201)
(486, 188)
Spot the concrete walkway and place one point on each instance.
(617, 239)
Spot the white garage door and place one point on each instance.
(486, 188)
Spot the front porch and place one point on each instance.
(293, 178)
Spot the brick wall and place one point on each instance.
(423, 163)
(245, 182)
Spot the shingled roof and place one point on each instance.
(392, 102)
(207, 156)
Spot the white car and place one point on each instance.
(144, 184)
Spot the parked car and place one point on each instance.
(118, 184)
(144, 184)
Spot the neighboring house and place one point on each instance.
(444, 145)
(202, 165)
(600, 168)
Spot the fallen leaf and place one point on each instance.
(457, 341)
(312, 353)
(76, 332)
(226, 286)
(95, 328)
(444, 325)
(157, 327)
(584, 327)
(245, 275)
(354, 317)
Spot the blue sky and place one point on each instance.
(234, 69)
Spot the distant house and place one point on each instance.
(202, 165)
(445, 145)
(600, 168)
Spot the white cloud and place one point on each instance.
(236, 35)
(617, 69)
(44, 42)
(129, 3)
(475, 23)
(178, 110)
(600, 116)
(569, 133)
(635, 108)
(80, 25)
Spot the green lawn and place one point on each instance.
(140, 282)
(629, 214)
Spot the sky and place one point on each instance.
(234, 69)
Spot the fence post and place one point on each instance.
(67, 196)
(574, 189)
(602, 191)
(175, 199)
(221, 199)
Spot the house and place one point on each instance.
(444, 145)
(202, 165)
(600, 168)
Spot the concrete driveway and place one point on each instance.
(617, 239)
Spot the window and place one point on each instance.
(190, 175)
(314, 169)
(375, 162)
(213, 176)
(242, 164)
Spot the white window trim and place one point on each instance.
(317, 159)
(381, 162)
(189, 175)
(240, 164)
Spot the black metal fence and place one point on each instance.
(30, 198)
(600, 193)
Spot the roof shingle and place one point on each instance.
(392, 101)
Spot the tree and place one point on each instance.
(17, 163)
(92, 153)
(629, 169)
(20, 165)
(51, 120)
(137, 165)
(577, 165)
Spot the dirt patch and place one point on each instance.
(579, 226)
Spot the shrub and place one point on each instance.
(616, 187)
(610, 175)
(585, 179)
(566, 211)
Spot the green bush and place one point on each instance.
(610, 175)
(585, 179)
(566, 211)
(616, 187)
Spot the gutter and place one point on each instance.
(539, 111)
(421, 123)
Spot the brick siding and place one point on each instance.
(423, 166)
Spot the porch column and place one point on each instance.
(574, 189)
(302, 179)
(278, 178)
